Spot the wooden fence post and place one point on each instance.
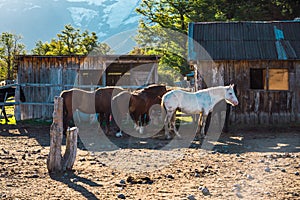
(71, 149)
(56, 162)
(56, 134)
(17, 106)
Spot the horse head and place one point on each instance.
(230, 96)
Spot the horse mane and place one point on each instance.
(169, 88)
(217, 90)
(148, 89)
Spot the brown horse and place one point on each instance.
(139, 103)
(89, 102)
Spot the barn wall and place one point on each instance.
(44, 77)
(258, 106)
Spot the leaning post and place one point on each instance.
(71, 149)
(54, 163)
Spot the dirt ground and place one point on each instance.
(260, 163)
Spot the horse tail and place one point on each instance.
(65, 110)
(162, 104)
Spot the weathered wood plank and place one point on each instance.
(71, 149)
(54, 161)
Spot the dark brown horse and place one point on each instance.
(89, 102)
(7, 92)
(138, 103)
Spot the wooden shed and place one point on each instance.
(261, 58)
(44, 77)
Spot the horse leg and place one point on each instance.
(138, 125)
(4, 114)
(199, 122)
(199, 125)
(167, 122)
(174, 125)
(207, 123)
(143, 123)
(66, 120)
(226, 124)
(204, 117)
(107, 122)
(103, 121)
(141, 127)
(115, 125)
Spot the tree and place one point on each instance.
(247, 10)
(169, 44)
(161, 16)
(3, 70)
(168, 20)
(72, 42)
(71, 39)
(10, 47)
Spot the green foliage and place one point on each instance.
(72, 42)
(164, 20)
(10, 47)
(248, 10)
(167, 75)
(168, 43)
(3, 70)
(10, 115)
(163, 30)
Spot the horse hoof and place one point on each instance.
(141, 130)
(168, 137)
(119, 134)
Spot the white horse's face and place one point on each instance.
(230, 96)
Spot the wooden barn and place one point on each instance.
(44, 77)
(261, 58)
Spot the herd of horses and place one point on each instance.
(112, 104)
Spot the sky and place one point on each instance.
(42, 19)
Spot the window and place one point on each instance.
(278, 79)
(269, 79)
(257, 79)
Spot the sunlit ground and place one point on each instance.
(10, 114)
(183, 118)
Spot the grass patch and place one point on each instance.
(10, 112)
(10, 115)
(183, 118)
(36, 122)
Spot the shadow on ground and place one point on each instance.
(239, 140)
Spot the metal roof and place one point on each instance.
(271, 40)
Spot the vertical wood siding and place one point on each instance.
(44, 77)
(260, 106)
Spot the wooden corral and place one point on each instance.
(261, 58)
(44, 77)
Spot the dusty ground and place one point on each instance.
(259, 163)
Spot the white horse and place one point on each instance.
(198, 102)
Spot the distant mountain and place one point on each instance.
(43, 19)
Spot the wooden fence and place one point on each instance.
(256, 106)
(44, 77)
